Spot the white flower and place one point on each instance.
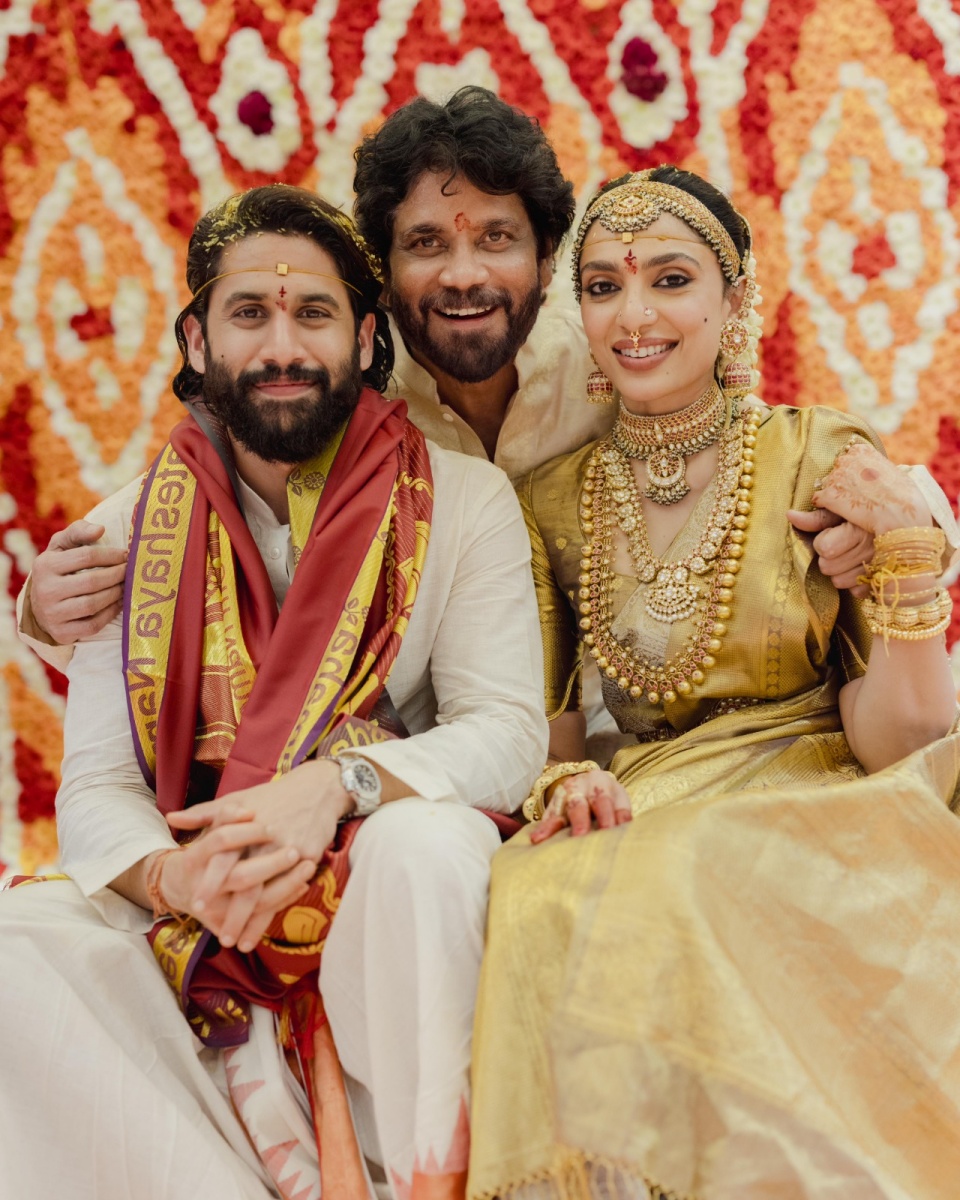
(55, 364)
(128, 315)
(247, 69)
(874, 322)
(438, 81)
(835, 247)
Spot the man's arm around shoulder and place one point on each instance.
(75, 587)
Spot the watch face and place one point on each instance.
(364, 779)
(362, 782)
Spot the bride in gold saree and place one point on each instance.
(730, 966)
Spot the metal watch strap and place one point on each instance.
(361, 782)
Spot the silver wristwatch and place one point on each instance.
(361, 783)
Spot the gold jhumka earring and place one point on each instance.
(735, 374)
(599, 387)
(737, 342)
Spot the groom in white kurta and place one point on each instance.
(107, 1093)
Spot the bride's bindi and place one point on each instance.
(281, 303)
(630, 262)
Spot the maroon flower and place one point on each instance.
(93, 323)
(640, 75)
(254, 111)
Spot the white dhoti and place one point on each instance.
(106, 1094)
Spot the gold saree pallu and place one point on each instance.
(224, 692)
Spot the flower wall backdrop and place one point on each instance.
(835, 124)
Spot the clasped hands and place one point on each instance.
(864, 494)
(257, 851)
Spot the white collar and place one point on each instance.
(255, 508)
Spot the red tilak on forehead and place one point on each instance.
(283, 291)
(461, 221)
(630, 262)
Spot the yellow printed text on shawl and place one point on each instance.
(156, 568)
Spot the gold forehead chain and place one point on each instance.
(280, 269)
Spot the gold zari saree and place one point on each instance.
(753, 989)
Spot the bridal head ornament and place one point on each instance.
(631, 207)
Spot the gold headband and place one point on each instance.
(226, 226)
(279, 269)
(634, 206)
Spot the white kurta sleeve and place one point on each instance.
(107, 818)
(486, 665)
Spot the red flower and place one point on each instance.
(640, 75)
(94, 323)
(873, 254)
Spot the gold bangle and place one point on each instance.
(905, 554)
(883, 616)
(920, 634)
(533, 805)
(913, 597)
(909, 547)
(930, 536)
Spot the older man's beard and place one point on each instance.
(469, 357)
(286, 431)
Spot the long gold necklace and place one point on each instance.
(608, 501)
(673, 595)
(665, 440)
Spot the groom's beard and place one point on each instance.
(469, 357)
(286, 431)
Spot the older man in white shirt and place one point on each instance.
(281, 335)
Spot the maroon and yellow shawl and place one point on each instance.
(224, 692)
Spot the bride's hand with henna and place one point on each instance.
(579, 800)
(864, 494)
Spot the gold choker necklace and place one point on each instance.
(665, 441)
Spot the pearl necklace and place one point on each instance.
(664, 441)
(609, 498)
